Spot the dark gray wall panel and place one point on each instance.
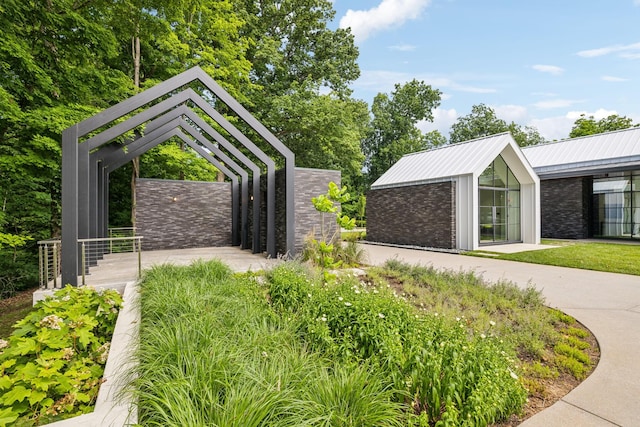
(564, 207)
(420, 215)
(200, 216)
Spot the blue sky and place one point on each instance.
(539, 63)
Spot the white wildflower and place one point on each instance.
(309, 295)
(52, 322)
(513, 374)
(357, 291)
(457, 319)
(348, 304)
(264, 354)
(380, 315)
(66, 298)
(340, 298)
(483, 336)
(103, 352)
(67, 353)
(492, 323)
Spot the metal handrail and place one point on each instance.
(91, 250)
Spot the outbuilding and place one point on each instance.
(462, 196)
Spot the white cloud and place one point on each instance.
(545, 94)
(552, 128)
(629, 51)
(556, 103)
(551, 69)
(559, 127)
(511, 113)
(388, 14)
(442, 121)
(599, 114)
(613, 78)
(636, 2)
(384, 81)
(403, 47)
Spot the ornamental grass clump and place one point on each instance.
(441, 372)
(213, 352)
(51, 366)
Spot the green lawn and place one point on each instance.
(611, 257)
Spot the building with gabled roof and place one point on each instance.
(490, 191)
(458, 196)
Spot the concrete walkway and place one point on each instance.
(607, 303)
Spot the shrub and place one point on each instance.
(51, 366)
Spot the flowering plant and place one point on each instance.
(51, 366)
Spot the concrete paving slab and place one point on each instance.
(564, 414)
(513, 248)
(606, 303)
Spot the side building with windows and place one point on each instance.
(460, 196)
(590, 186)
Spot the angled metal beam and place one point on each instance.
(171, 120)
(148, 142)
(177, 101)
(76, 165)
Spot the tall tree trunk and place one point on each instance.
(135, 163)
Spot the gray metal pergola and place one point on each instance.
(86, 164)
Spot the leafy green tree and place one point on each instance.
(585, 126)
(323, 131)
(292, 43)
(393, 132)
(483, 121)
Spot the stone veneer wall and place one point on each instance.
(200, 216)
(420, 215)
(564, 207)
(308, 183)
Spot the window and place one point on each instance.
(616, 205)
(499, 209)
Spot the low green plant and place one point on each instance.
(51, 366)
(571, 366)
(576, 332)
(441, 372)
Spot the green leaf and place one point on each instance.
(25, 346)
(36, 397)
(16, 394)
(7, 416)
(5, 382)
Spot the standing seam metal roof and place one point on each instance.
(589, 152)
(444, 163)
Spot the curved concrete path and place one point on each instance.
(607, 303)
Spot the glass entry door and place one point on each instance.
(499, 204)
(493, 215)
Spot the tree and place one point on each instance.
(292, 43)
(323, 131)
(584, 125)
(393, 132)
(483, 121)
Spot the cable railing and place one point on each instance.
(91, 251)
